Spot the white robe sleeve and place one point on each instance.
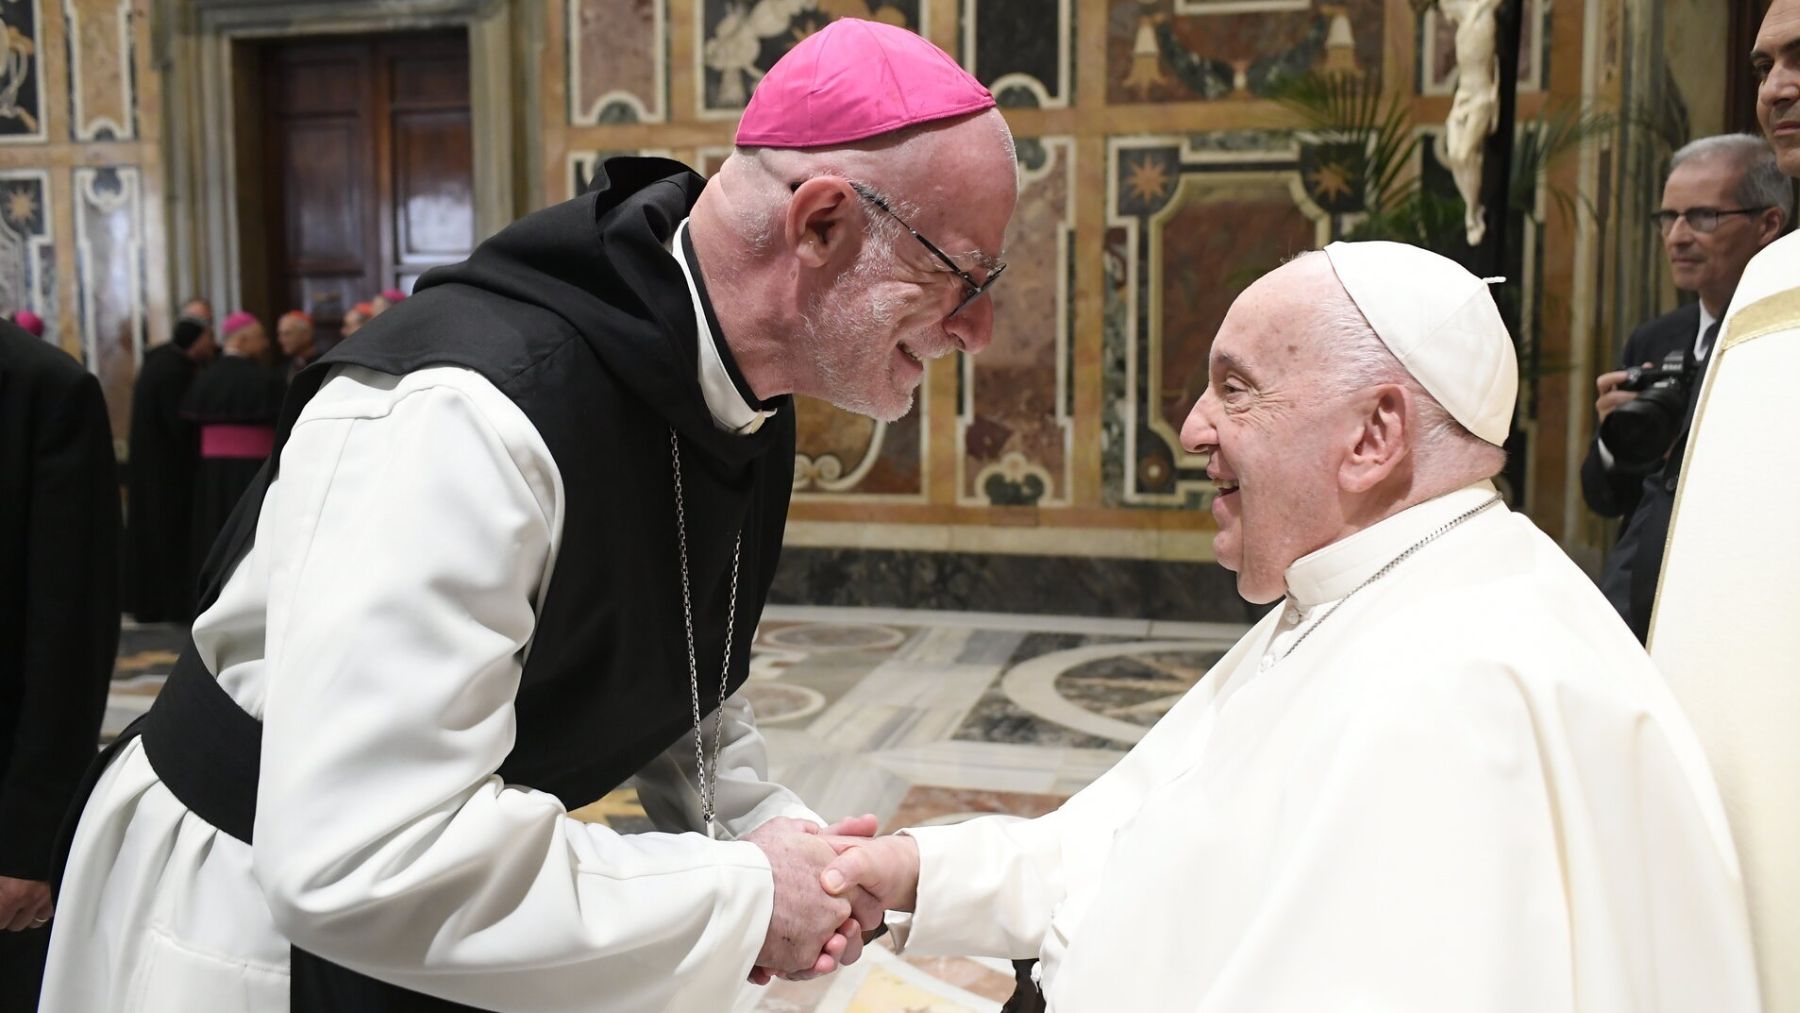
(404, 551)
(990, 886)
(746, 799)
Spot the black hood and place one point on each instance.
(598, 264)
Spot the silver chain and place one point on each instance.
(709, 787)
(1384, 571)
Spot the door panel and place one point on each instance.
(433, 208)
(369, 167)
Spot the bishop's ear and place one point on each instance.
(824, 222)
(1380, 438)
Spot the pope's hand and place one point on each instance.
(803, 934)
(878, 875)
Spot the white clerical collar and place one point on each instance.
(1332, 572)
(1701, 349)
(730, 411)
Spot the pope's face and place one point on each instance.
(1272, 428)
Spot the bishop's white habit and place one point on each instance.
(1724, 630)
(1466, 790)
(464, 887)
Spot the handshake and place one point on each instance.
(831, 887)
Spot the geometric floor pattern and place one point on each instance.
(918, 717)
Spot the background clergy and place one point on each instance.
(1724, 630)
(1440, 775)
(518, 537)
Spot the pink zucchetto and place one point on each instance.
(393, 295)
(237, 322)
(30, 321)
(853, 80)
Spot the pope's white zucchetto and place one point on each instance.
(1440, 321)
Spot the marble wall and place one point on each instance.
(1158, 179)
(80, 181)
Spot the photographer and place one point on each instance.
(1725, 199)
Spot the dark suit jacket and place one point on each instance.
(1614, 492)
(1633, 566)
(59, 589)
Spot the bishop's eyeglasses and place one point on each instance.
(972, 289)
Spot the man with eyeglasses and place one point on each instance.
(511, 553)
(1724, 200)
(1725, 632)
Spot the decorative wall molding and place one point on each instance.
(618, 57)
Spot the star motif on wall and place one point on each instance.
(1149, 180)
(21, 206)
(1330, 181)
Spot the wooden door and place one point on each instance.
(368, 167)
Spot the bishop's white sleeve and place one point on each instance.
(406, 540)
(746, 797)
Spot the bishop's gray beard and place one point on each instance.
(848, 334)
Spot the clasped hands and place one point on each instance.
(831, 886)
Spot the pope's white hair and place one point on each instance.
(1355, 358)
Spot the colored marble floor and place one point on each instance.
(918, 717)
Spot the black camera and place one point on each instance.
(1640, 431)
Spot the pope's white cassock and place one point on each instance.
(165, 913)
(1724, 630)
(1468, 790)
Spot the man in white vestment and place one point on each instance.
(1439, 775)
(509, 554)
(1724, 630)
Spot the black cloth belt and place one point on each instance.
(204, 747)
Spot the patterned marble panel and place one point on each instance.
(739, 40)
(1044, 585)
(109, 257)
(27, 247)
(582, 165)
(1183, 50)
(1201, 219)
(1021, 51)
(842, 455)
(1437, 50)
(102, 74)
(618, 61)
(1015, 427)
(929, 805)
(21, 72)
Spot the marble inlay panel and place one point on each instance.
(27, 247)
(1183, 50)
(102, 72)
(929, 805)
(843, 455)
(109, 254)
(21, 72)
(1195, 221)
(739, 40)
(1016, 425)
(618, 61)
(1022, 50)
